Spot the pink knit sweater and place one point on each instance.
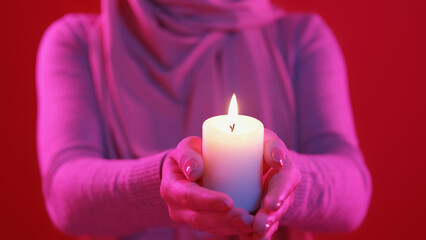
(101, 138)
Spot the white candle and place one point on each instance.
(233, 155)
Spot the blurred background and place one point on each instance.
(384, 43)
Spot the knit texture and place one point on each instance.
(107, 118)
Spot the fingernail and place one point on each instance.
(265, 227)
(277, 205)
(190, 166)
(223, 206)
(277, 156)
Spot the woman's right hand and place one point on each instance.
(190, 203)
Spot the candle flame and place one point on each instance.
(233, 112)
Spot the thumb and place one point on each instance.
(188, 156)
(274, 150)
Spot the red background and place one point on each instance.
(384, 45)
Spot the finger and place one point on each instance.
(171, 171)
(192, 196)
(274, 150)
(244, 230)
(264, 220)
(207, 221)
(280, 184)
(244, 236)
(265, 167)
(188, 156)
(268, 234)
(243, 222)
(222, 231)
(176, 189)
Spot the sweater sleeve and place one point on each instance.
(84, 192)
(335, 191)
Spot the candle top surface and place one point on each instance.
(243, 124)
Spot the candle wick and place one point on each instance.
(232, 127)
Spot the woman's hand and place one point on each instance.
(190, 203)
(282, 179)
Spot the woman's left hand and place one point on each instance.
(282, 179)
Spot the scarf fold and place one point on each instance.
(161, 67)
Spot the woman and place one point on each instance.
(119, 91)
